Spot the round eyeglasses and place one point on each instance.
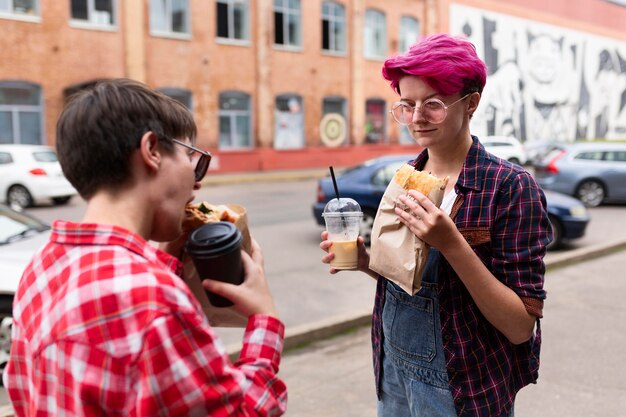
(433, 110)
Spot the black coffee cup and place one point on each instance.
(216, 252)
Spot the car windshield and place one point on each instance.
(15, 226)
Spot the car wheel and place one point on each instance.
(59, 201)
(514, 161)
(19, 197)
(366, 226)
(591, 193)
(557, 233)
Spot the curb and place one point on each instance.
(311, 332)
(285, 175)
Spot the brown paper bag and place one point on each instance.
(395, 252)
(218, 316)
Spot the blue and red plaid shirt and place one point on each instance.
(501, 212)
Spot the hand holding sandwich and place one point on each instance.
(426, 221)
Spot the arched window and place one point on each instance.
(179, 94)
(235, 120)
(20, 113)
(333, 27)
(409, 32)
(375, 34)
(288, 122)
(375, 121)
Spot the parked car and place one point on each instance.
(20, 236)
(30, 174)
(505, 147)
(593, 172)
(366, 183)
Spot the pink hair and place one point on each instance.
(446, 63)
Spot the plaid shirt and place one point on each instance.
(502, 214)
(104, 326)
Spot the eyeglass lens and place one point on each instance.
(202, 166)
(434, 111)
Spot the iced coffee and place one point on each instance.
(343, 220)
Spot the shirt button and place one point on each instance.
(452, 370)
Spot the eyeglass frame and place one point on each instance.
(430, 100)
(204, 155)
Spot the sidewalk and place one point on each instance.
(582, 358)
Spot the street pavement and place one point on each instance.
(582, 358)
(317, 311)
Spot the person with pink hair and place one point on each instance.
(469, 339)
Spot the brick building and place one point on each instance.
(279, 84)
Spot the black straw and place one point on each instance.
(332, 174)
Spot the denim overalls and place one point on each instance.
(414, 375)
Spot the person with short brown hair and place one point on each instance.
(103, 323)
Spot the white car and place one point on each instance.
(30, 174)
(21, 236)
(505, 147)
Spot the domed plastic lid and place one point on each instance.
(213, 239)
(344, 206)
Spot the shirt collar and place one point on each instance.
(71, 233)
(471, 177)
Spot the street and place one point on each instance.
(335, 374)
(280, 219)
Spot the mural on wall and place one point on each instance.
(546, 83)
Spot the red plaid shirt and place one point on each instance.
(104, 326)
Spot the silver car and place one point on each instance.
(593, 172)
(20, 236)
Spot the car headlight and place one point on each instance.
(578, 211)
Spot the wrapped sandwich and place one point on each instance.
(197, 215)
(396, 253)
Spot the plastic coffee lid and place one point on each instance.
(343, 206)
(213, 239)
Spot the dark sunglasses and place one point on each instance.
(203, 163)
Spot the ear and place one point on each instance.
(472, 103)
(150, 151)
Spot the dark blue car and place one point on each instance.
(367, 182)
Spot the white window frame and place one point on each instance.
(375, 35)
(10, 13)
(335, 21)
(407, 36)
(232, 115)
(230, 39)
(90, 23)
(16, 109)
(168, 32)
(288, 13)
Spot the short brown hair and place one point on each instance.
(101, 126)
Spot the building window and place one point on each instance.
(169, 17)
(20, 113)
(375, 121)
(287, 23)
(289, 122)
(19, 8)
(375, 35)
(235, 120)
(94, 12)
(333, 27)
(409, 32)
(232, 19)
(181, 95)
(333, 126)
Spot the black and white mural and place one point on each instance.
(546, 83)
